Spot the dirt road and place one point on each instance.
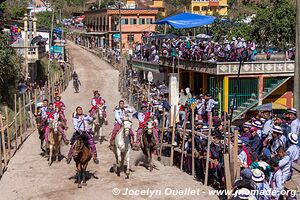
(29, 176)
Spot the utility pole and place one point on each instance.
(297, 62)
(26, 45)
(51, 37)
(120, 28)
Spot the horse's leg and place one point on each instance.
(57, 149)
(84, 173)
(100, 131)
(50, 153)
(128, 163)
(79, 179)
(150, 159)
(78, 166)
(119, 160)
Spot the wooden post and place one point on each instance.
(35, 101)
(208, 149)
(16, 123)
(7, 131)
(24, 113)
(235, 157)
(183, 137)
(225, 129)
(31, 112)
(193, 142)
(173, 136)
(162, 132)
(229, 139)
(3, 141)
(227, 172)
(20, 118)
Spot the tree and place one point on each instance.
(10, 67)
(44, 20)
(275, 24)
(14, 9)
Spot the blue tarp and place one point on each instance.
(187, 20)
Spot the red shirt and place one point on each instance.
(59, 104)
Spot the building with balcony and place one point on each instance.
(103, 28)
(260, 81)
(209, 7)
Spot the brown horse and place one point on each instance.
(54, 141)
(81, 155)
(148, 144)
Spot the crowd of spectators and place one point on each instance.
(203, 50)
(267, 143)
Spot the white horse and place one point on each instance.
(98, 123)
(123, 147)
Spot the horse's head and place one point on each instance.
(149, 126)
(77, 147)
(127, 127)
(100, 111)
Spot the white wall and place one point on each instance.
(44, 35)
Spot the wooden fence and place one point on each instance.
(17, 125)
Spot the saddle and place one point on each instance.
(80, 135)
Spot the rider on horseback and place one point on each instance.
(97, 102)
(61, 124)
(49, 118)
(120, 113)
(81, 125)
(143, 117)
(60, 105)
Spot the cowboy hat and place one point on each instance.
(292, 110)
(247, 125)
(257, 175)
(277, 129)
(293, 137)
(244, 193)
(257, 124)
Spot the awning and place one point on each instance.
(187, 20)
(95, 33)
(162, 36)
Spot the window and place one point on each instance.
(204, 8)
(130, 38)
(133, 21)
(196, 8)
(149, 21)
(124, 21)
(142, 21)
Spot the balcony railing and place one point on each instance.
(284, 68)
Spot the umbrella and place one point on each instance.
(270, 107)
(203, 36)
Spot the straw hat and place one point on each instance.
(257, 175)
(247, 125)
(277, 129)
(244, 193)
(292, 110)
(205, 128)
(293, 137)
(257, 124)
